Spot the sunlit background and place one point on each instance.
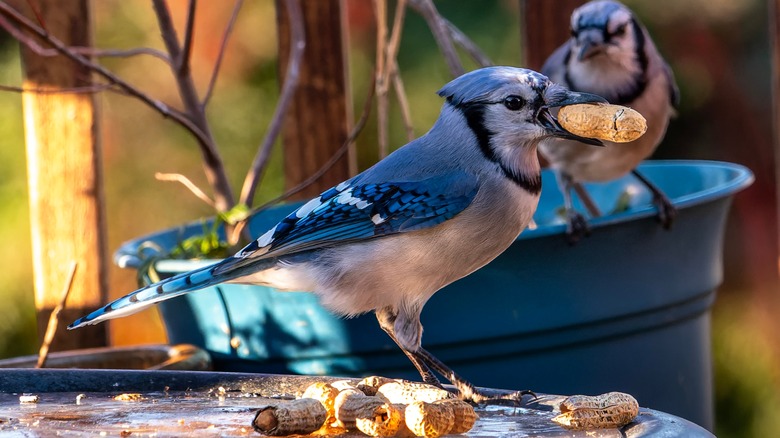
(719, 50)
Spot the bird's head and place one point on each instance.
(605, 31)
(508, 110)
(508, 107)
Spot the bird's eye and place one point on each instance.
(620, 30)
(513, 103)
(573, 32)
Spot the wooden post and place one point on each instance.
(544, 25)
(774, 36)
(64, 174)
(318, 121)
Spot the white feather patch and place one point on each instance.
(377, 219)
(347, 198)
(266, 238)
(307, 208)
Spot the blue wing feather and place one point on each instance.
(356, 211)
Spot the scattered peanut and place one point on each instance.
(409, 392)
(298, 417)
(371, 384)
(384, 420)
(325, 394)
(429, 420)
(613, 409)
(129, 397)
(351, 404)
(606, 122)
(399, 409)
(463, 416)
(28, 398)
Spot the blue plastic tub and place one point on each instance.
(627, 309)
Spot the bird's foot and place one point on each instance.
(667, 212)
(430, 379)
(512, 399)
(476, 396)
(576, 227)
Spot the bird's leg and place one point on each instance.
(576, 224)
(467, 390)
(587, 201)
(386, 317)
(666, 210)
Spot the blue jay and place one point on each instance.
(611, 54)
(431, 212)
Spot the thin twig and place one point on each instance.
(394, 42)
(116, 53)
(86, 51)
(24, 39)
(184, 59)
(37, 13)
(356, 130)
(221, 54)
(392, 75)
(382, 103)
(63, 49)
(54, 319)
(403, 103)
(177, 177)
(104, 53)
(468, 45)
(436, 23)
(212, 162)
(291, 77)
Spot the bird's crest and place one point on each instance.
(595, 14)
(478, 85)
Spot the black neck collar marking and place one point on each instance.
(475, 117)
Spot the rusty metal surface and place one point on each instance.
(220, 404)
(140, 357)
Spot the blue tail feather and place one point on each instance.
(228, 269)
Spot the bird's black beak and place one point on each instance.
(557, 96)
(591, 42)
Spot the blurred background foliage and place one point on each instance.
(719, 50)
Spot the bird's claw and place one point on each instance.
(511, 399)
(430, 379)
(667, 212)
(576, 227)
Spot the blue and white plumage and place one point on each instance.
(611, 54)
(430, 213)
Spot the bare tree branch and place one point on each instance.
(356, 130)
(86, 51)
(441, 34)
(395, 42)
(37, 13)
(21, 20)
(117, 53)
(184, 60)
(221, 54)
(54, 318)
(212, 162)
(382, 103)
(177, 177)
(403, 103)
(468, 45)
(297, 46)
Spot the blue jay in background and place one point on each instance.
(611, 54)
(430, 213)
